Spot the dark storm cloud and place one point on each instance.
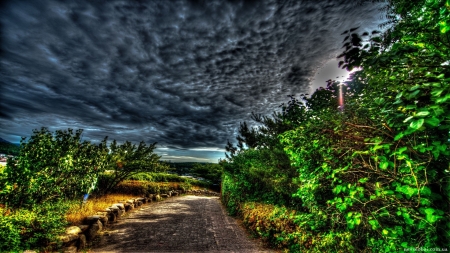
(183, 73)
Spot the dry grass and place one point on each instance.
(131, 188)
(76, 215)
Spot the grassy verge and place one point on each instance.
(77, 211)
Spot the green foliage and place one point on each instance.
(156, 177)
(33, 228)
(2, 169)
(9, 148)
(299, 232)
(374, 173)
(144, 187)
(258, 169)
(51, 166)
(126, 160)
(209, 171)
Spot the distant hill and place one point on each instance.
(4, 141)
(8, 148)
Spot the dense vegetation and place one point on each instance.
(8, 148)
(360, 166)
(54, 169)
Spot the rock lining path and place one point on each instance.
(178, 224)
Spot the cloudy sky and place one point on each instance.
(180, 73)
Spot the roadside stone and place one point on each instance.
(104, 220)
(83, 228)
(111, 217)
(119, 205)
(128, 206)
(117, 212)
(73, 230)
(82, 242)
(93, 230)
(68, 238)
(92, 219)
(70, 249)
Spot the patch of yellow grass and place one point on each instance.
(78, 212)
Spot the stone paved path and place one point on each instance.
(178, 224)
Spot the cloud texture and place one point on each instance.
(181, 73)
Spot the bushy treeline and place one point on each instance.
(9, 148)
(211, 172)
(55, 168)
(361, 166)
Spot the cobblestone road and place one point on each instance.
(178, 224)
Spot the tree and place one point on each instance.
(210, 171)
(51, 166)
(126, 160)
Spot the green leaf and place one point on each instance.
(443, 99)
(432, 121)
(436, 93)
(410, 107)
(430, 216)
(425, 191)
(401, 150)
(422, 113)
(384, 165)
(414, 88)
(407, 219)
(374, 224)
(416, 124)
(399, 136)
(408, 119)
(413, 94)
(363, 180)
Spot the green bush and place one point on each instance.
(165, 177)
(287, 228)
(143, 187)
(143, 176)
(33, 228)
(126, 160)
(372, 154)
(51, 166)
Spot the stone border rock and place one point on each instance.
(203, 192)
(78, 237)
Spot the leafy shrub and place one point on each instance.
(285, 228)
(51, 166)
(33, 228)
(372, 171)
(143, 176)
(165, 177)
(126, 160)
(143, 187)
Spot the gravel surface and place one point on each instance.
(178, 224)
